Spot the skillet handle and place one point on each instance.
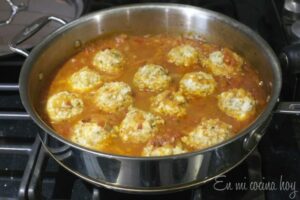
(29, 31)
(288, 108)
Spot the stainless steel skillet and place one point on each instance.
(155, 174)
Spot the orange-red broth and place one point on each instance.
(138, 51)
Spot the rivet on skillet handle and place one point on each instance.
(29, 31)
(251, 141)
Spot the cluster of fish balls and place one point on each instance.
(139, 126)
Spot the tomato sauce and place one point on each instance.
(138, 51)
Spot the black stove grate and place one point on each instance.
(33, 174)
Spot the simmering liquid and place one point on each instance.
(101, 125)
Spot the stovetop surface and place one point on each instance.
(27, 172)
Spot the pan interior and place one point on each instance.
(140, 20)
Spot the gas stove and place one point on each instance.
(271, 172)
